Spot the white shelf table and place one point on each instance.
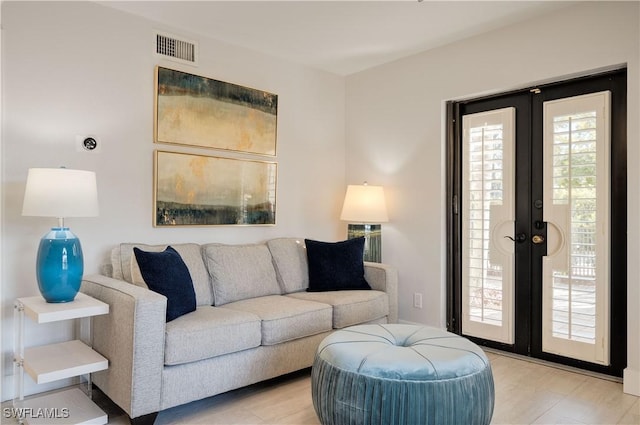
(47, 363)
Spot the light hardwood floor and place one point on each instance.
(526, 393)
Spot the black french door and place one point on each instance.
(536, 254)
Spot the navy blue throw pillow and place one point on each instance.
(166, 273)
(336, 266)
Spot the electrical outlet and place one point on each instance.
(417, 300)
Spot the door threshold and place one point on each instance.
(554, 365)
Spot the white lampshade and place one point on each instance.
(60, 192)
(364, 204)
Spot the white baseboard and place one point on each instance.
(631, 382)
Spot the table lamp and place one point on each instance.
(60, 192)
(365, 207)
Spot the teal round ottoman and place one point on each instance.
(401, 374)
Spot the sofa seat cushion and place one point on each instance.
(240, 272)
(350, 307)
(210, 332)
(285, 318)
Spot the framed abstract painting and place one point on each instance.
(199, 190)
(203, 112)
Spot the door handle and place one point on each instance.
(520, 237)
(537, 239)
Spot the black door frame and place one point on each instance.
(528, 103)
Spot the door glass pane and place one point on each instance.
(488, 211)
(485, 291)
(576, 186)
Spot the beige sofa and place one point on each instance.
(254, 321)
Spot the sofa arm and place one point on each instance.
(383, 277)
(131, 337)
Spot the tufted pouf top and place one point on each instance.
(401, 374)
(404, 352)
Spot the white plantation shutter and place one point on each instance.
(576, 190)
(488, 214)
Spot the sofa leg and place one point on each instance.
(148, 419)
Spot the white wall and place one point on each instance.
(78, 68)
(396, 134)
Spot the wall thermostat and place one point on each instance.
(88, 143)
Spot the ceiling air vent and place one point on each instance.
(173, 48)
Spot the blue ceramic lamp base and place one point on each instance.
(59, 266)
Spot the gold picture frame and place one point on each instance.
(198, 111)
(200, 190)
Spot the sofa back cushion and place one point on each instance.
(239, 272)
(125, 267)
(290, 261)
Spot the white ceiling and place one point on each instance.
(342, 37)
